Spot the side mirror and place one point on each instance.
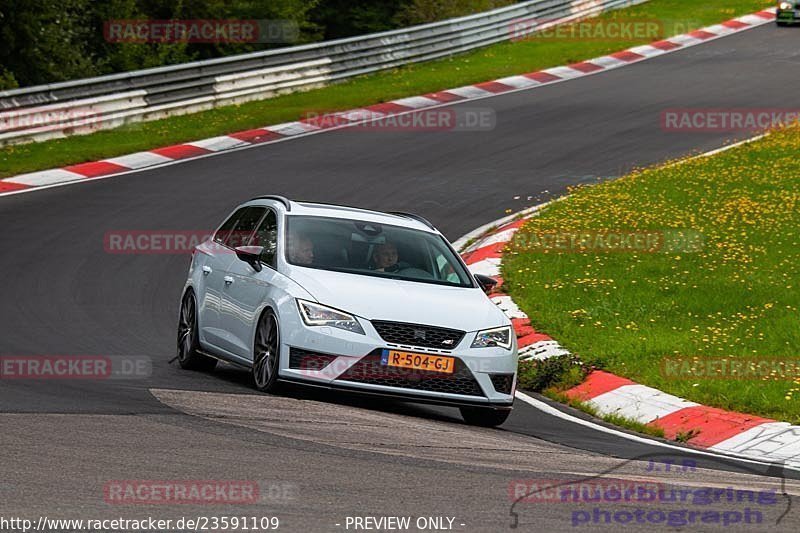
(251, 255)
(486, 283)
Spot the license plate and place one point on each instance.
(418, 361)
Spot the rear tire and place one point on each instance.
(484, 416)
(266, 353)
(189, 356)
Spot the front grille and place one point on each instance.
(305, 360)
(502, 382)
(418, 335)
(370, 370)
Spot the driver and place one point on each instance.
(385, 257)
(301, 250)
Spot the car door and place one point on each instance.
(247, 289)
(215, 273)
(210, 261)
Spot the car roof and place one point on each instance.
(408, 220)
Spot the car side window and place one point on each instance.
(245, 226)
(222, 233)
(267, 236)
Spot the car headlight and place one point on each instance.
(785, 6)
(320, 315)
(493, 337)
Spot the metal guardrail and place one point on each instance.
(82, 106)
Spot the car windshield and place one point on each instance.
(372, 249)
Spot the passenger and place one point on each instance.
(301, 250)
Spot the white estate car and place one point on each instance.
(351, 299)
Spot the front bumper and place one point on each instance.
(340, 359)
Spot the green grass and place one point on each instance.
(677, 16)
(736, 297)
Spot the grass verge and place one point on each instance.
(676, 16)
(722, 307)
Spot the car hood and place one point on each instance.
(374, 298)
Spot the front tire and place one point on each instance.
(266, 353)
(484, 416)
(189, 356)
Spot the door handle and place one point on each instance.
(228, 280)
(206, 270)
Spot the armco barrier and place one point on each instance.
(81, 106)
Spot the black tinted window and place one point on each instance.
(227, 226)
(244, 227)
(267, 236)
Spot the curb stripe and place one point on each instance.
(774, 441)
(96, 168)
(638, 402)
(8, 186)
(218, 144)
(258, 135)
(627, 55)
(586, 67)
(139, 160)
(44, 177)
(494, 87)
(597, 383)
(715, 425)
(665, 45)
(445, 97)
(387, 108)
(180, 151)
(469, 91)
